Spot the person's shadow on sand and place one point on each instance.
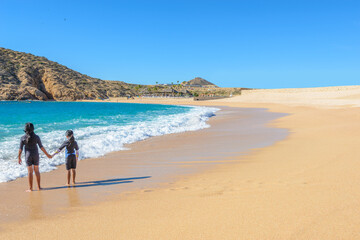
(100, 183)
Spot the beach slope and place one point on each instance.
(304, 187)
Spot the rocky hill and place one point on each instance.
(25, 76)
(199, 82)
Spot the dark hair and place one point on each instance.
(70, 133)
(29, 131)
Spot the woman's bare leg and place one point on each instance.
(74, 175)
(30, 178)
(37, 173)
(68, 177)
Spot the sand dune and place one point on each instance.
(317, 97)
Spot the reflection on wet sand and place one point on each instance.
(73, 197)
(36, 204)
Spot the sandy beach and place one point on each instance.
(304, 186)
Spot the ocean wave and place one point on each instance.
(98, 140)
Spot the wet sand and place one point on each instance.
(306, 186)
(148, 163)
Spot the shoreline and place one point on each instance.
(141, 167)
(99, 135)
(305, 186)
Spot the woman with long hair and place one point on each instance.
(31, 141)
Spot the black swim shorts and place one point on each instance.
(31, 159)
(70, 162)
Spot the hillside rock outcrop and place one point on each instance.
(24, 76)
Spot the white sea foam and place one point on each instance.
(98, 140)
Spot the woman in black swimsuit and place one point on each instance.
(30, 140)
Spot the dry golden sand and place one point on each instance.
(304, 187)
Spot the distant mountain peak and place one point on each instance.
(199, 82)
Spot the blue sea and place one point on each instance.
(99, 128)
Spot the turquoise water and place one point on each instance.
(99, 128)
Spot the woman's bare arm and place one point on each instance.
(19, 156)
(46, 153)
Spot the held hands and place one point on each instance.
(46, 153)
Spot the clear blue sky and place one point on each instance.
(261, 44)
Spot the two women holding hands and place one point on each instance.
(31, 141)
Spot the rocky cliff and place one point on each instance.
(25, 76)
